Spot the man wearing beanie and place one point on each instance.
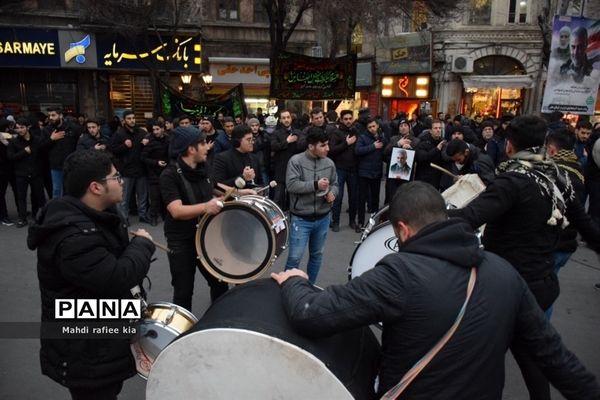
(187, 191)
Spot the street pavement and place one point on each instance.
(576, 314)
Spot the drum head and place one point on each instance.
(236, 244)
(236, 363)
(380, 242)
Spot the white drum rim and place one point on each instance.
(182, 342)
(375, 229)
(183, 310)
(259, 270)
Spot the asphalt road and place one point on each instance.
(576, 315)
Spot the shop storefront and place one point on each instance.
(100, 75)
(253, 73)
(408, 94)
(497, 86)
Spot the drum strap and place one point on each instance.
(406, 380)
(187, 187)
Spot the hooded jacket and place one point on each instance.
(417, 294)
(85, 254)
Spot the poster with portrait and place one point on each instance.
(401, 164)
(574, 67)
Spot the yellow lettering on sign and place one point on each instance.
(399, 54)
(27, 48)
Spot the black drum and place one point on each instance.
(244, 347)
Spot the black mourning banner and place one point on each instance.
(297, 76)
(231, 103)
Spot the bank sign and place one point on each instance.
(77, 49)
(47, 48)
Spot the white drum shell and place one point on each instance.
(230, 363)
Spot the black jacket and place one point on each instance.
(417, 294)
(87, 141)
(85, 254)
(156, 150)
(477, 163)
(282, 151)
(24, 163)
(516, 215)
(426, 152)
(340, 152)
(370, 159)
(58, 150)
(229, 165)
(129, 162)
(570, 165)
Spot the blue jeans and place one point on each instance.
(141, 192)
(350, 178)
(560, 260)
(57, 183)
(303, 231)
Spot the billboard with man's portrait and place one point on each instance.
(574, 67)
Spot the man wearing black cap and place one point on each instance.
(187, 190)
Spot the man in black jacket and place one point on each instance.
(238, 162)
(418, 292)
(524, 208)
(92, 138)
(60, 140)
(341, 150)
(427, 151)
(284, 144)
(84, 253)
(126, 144)
(466, 159)
(155, 156)
(25, 153)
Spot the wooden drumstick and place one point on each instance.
(228, 193)
(160, 246)
(444, 170)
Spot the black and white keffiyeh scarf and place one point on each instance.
(551, 181)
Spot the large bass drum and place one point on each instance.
(245, 347)
(377, 241)
(242, 241)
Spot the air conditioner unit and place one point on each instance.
(462, 64)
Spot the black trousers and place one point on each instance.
(545, 291)
(368, 192)
(37, 194)
(183, 262)
(156, 209)
(5, 179)
(109, 392)
(280, 196)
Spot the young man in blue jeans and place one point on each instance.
(312, 185)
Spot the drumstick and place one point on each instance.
(160, 246)
(228, 193)
(444, 170)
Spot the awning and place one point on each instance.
(501, 81)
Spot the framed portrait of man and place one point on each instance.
(401, 164)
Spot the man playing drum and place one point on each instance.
(187, 191)
(418, 292)
(84, 253)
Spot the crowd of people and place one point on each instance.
(539, 176)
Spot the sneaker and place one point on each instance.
(22, 223)
(358, 228)
(597, 286)
(335, 227)
(6, 222)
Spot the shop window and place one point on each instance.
(480, 12)
(131, 92)
(260, 14)
(498, 65)
(517, 12)
(228, 10)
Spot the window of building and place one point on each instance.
(480, 12)
(498, 65)
(517, 12)
(228, 10)
(260, 14)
